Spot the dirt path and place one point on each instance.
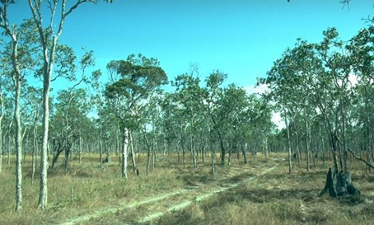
(152, 208)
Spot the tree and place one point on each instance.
(140, 77)
(48, 38)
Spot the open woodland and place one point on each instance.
(118, 147)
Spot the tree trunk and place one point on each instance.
(43, 193)
(288, 144)
(193, 152)
(80, 148)
(9, 142)
(213, 159)
(18, 142)
(55, 158)
(67, 155)
(266, 148)
(298, 149)
(307, 140)
(223, 152)
(345, 152)
(132, 152)
(244, 150)
(101, 148)
(124, 152)
(154, 146)
(33, 160)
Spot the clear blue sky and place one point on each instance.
(239, 37)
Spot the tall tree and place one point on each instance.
(140, 77)
(48, 38)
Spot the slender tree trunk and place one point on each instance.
(223, 152)
(178, 151)
(9, 143)
(193, 152)
(153, 152)
(18, 142)
(266, 148)
(148, 153)
(132, 151)
(33, 160)
(55, 158)
(80, 147)
(345, 153)
(124, 152)
(183, 155)
(245, 153)
(43, 193)
(213, 171)
(288, 144)
(307, 140)
(298, 149)
(101, 149)
(67, 155)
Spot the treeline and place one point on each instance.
(325, 93)
(129, 112)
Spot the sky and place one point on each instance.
(239, 37)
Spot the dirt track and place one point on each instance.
(149, 209)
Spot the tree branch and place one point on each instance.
(354, 155)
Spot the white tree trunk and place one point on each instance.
(124, 152)
(18, 142)
(43, 193)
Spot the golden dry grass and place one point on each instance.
(276, 198)
(90, 186)
(281, 198)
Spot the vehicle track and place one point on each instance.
(147, 210)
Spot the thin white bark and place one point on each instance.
(124, 152)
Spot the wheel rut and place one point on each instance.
(147, 210)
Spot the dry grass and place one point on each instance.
(276, 198)
(90, 186)
(281, 198)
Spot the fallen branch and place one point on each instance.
(354, 155)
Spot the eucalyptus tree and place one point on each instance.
(34, 100)
(317, 76)
(5, 99)
(18, 52)
(70, 111)
(282, 82)
(12, 33)
(151, 127)
(140, 77)
(258, 124)
(189, 97)
(48, 37)
(232, 117)
(213, 95)
(173, 123)
(74, 103)
(361, 51)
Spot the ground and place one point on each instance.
(260, 192)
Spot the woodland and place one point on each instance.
(95, 142)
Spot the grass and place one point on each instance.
(275, 198)
(281, 198)
(90, 186)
